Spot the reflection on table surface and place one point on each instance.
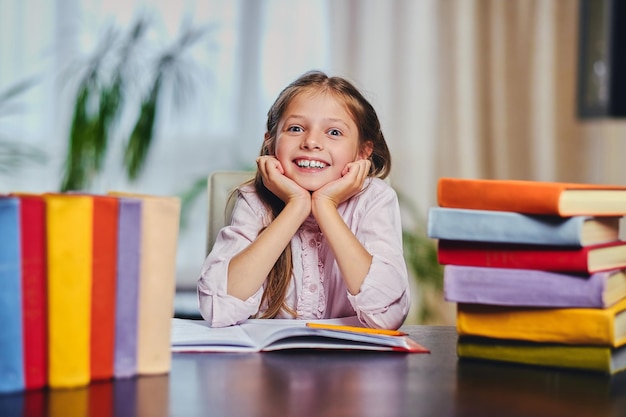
(298, 384)
(144, 396)
(331, 383)
(486, 388)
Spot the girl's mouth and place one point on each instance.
(312, 164)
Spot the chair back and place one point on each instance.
(220, 185)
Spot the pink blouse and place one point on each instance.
(317, 290)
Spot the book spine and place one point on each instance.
(450, 252)
(104, 266)
(69, 249)
(523, 287)
(557, 325)
(504, 227)
(159, 237)
(34, 291)
(127, 294)
(11, 336)
(516, 196)
(589, 358)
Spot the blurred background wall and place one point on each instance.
(469, 88)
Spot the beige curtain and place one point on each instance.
(508, 102)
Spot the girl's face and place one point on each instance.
(316, 139)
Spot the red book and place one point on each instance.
(34, 290)
(588, 259)
(102, 346)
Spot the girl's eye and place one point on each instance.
(294, 129)
(334, 132)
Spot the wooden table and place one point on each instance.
(329, 383)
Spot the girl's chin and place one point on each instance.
(311, 185)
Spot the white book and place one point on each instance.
(264, 335)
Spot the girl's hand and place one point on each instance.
(351, 182)
(275, 180)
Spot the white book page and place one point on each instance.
(197, 332)
(265, 334)
(284, 334)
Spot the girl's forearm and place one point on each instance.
(352, 258)
(249, 268)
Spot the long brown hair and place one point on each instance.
(368, 125)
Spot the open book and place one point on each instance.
(262, 335)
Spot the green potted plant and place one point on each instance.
(108, 89)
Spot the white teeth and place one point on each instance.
(305, 163)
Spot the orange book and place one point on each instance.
(104, 275)
(532, 197)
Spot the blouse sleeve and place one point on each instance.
(384, 298)
(217, 307)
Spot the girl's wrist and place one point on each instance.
(322, 205)
(301, 205)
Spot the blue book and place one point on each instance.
(512, 227)
(11, 332)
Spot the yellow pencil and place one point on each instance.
(355, 329)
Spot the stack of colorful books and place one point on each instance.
(537, 270)
(87, 287)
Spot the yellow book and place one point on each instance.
(587, 326)
(69, 253)
(604, 359)
(160, 217)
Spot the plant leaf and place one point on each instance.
(110, 108)
(140, 139)
(79, 161)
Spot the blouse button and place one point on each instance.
(312, 243)
(313, 287)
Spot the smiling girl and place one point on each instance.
(317, 233)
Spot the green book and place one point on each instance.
(602, 359)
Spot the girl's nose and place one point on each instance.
(311, 141)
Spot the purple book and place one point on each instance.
(127, 297)
(532, 288)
